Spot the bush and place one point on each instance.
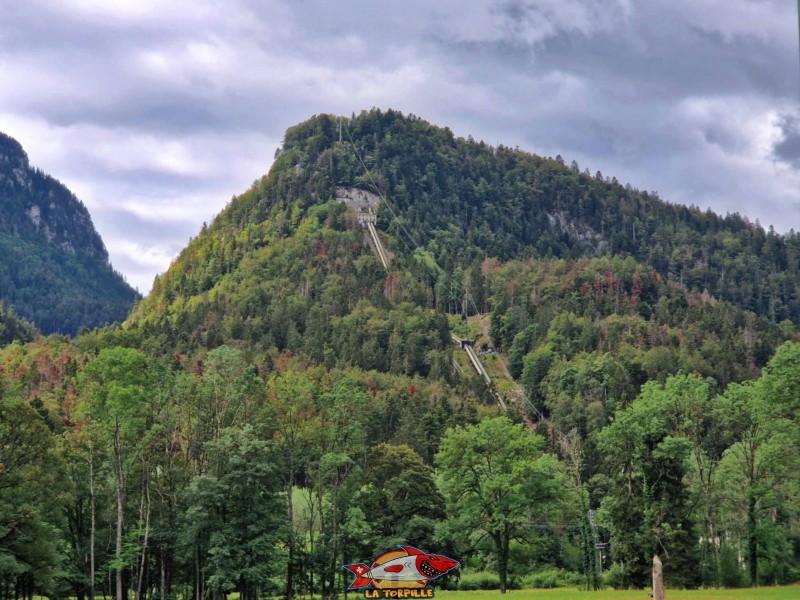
(731, 574)
(614, 577)
(482, 580)
(553, 578)
(541, 580)
(574, 579)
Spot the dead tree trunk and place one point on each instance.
(658, 579)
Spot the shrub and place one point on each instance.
(574, 579)
(483, 580)
(731, 574)
(552, 578)
(614, 577)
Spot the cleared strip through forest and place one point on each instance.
(381, 251)
(478, 366)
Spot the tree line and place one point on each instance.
(129, 475)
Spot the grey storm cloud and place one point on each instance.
(156, 113)
(788, 149)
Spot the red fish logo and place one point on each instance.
(405, 567)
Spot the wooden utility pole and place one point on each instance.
(658, 579)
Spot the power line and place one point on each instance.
(557, 433)
(442, 272)
(542, 419)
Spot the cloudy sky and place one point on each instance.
(155, 113)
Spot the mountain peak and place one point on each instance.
(38, 207)
(12, 155)
(54, 267)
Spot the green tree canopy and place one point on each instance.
(236, 515)
(401, 498)
(496, 481)
(647, 507)
(29, 494)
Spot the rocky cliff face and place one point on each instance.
(54, 267)
(37, 206)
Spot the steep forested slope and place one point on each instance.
(285, 266)
(298, 281)
(465, 200)
(54, 268)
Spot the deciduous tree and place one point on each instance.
(496, 480)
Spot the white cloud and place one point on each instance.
(138, 262)
(136, 12)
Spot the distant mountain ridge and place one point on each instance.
(54, 267)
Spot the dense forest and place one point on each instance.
(54, 268)
(281, 404)
(14, 329)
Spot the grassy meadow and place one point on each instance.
(762, 593)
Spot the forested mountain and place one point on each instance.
(286, 266)
(281, 404)
(54, 268)
(465, 199)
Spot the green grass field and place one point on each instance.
(789, 592)
(763, 593)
